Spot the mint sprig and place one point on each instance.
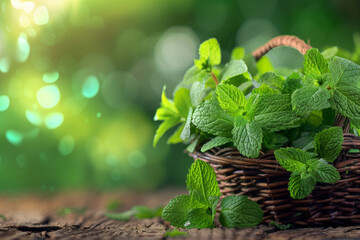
(198, 209)
(256, 107)
(306, 170)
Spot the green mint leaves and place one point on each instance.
(256, 107)
(230, 98)
(241, 102)
(329, 83)
(201, 183)
(239, 212)
(310, 98)
(315, 63)
(215, 142)
(248, 138)
(346, 100)
(210, 54)
(210, 118)
(197, 210)
(307, 170)
(328, 143)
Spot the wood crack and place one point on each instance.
(37, 228)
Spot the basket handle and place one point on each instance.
(285, 40)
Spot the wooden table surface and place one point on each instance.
(36, 217)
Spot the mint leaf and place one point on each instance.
(264, 65)
(330, 52)
(272, 80)
(301, 184)
(240, 212)
(292, 159)
(282, 226)
(201, 182)
(230, 97)
(323, 172)
(305, 141)
(197, 93)
(315, 63)
(185, 134)
(343, 71)
(215, 142)
(192, 76)
(328, 143)
(210, 118)
(310, 98)
(175, 137)
(199, 218)
(167, 108)
(164, 126)
(238, 53)
(292, 83)
(122, 216)
(274, 141)
(272, 112)
(241, 81)
(176, 212)
(234, 68)
(247, 138)
(144, 212)
(214, 201)
(175, 233)
(210, 54)
(263, 89)
(182, 101)
(269, 103)
(191, 147)
(277, 120)
(346, 100)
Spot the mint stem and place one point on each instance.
(215, 78)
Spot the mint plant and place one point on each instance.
(198, 209)
(256, 108)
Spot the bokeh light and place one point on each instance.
(4, 65)
(14, 137)
(34, 117)
(48, 96)
(66, 145)
(90, 87)
(54, 120)
(176, 49)
(23, 48)
(50, 77)
(4, 103)
(41, 15)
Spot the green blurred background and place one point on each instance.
(80, 80)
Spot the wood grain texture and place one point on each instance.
(36, 217)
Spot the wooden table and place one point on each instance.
(34, 216)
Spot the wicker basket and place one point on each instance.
(266, 182)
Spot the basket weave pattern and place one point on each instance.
(266, 182)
